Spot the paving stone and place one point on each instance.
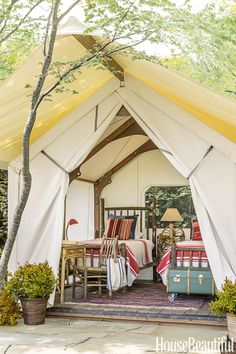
(61, 335)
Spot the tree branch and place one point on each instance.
(59, 19)
(19, 24)
(69, 71)
(26, 176)
(229, 91)
(122, 18)
(131, 34)
(93, 56)
(46, 33)
(68, 10)
(128, 46)
(9, 9)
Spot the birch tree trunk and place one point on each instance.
(99, 53)
(26, 176)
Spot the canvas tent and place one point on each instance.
(192, 126)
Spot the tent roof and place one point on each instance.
(215, 110)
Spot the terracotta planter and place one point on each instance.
(34, 310)
(231, 323)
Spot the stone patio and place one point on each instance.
(94, 337)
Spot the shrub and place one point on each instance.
(32, 281)
(9, 309)
(225, 299)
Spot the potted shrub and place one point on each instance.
(9, 309)
(32, 284)
(225, 304)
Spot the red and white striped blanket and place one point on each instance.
(138, 254)
(162, 267)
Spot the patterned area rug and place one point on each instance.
(144, 295)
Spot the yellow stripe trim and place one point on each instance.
(224, 128)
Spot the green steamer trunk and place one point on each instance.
(182, 280)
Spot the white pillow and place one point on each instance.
(138, 235)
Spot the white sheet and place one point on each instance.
(137, 247)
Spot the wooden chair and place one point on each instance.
(87, 275)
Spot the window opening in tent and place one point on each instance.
(170, 197)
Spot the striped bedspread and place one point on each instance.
(162, 267)
(138, 254)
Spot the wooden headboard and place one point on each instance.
(147, 216)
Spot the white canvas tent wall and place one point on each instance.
(182, 118)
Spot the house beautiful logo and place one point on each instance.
(191, 345)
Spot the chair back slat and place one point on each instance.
(109, 249)
(91, 257)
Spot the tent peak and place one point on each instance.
(72, 25)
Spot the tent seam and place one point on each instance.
(163, 150)
(54, 161)
(199, 163)
(67, 129)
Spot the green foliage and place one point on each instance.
(15, 52)
(9, 309)
(201, 43)
(171, 197)
(204, 47)
(226, 299)
(32, 281)
(22, 25)
(3, 207)
(128, 18)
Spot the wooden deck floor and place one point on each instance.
(109, 311)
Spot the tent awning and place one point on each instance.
(214, 110)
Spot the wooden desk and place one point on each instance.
(74, 251)
(69, 251)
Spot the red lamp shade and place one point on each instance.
(72, 222)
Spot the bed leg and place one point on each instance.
(155, 273)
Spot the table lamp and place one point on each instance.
(70, 222)
(171, 215)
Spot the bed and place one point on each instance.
(138, 252)
(184, 268)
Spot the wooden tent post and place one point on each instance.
(98, 188)
(154, 235)
(102, 204)
(154, 226)
(103, 181)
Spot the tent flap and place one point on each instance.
(183, 119)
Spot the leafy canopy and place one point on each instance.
(204, 46)
(22, 24)
(201, 44)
